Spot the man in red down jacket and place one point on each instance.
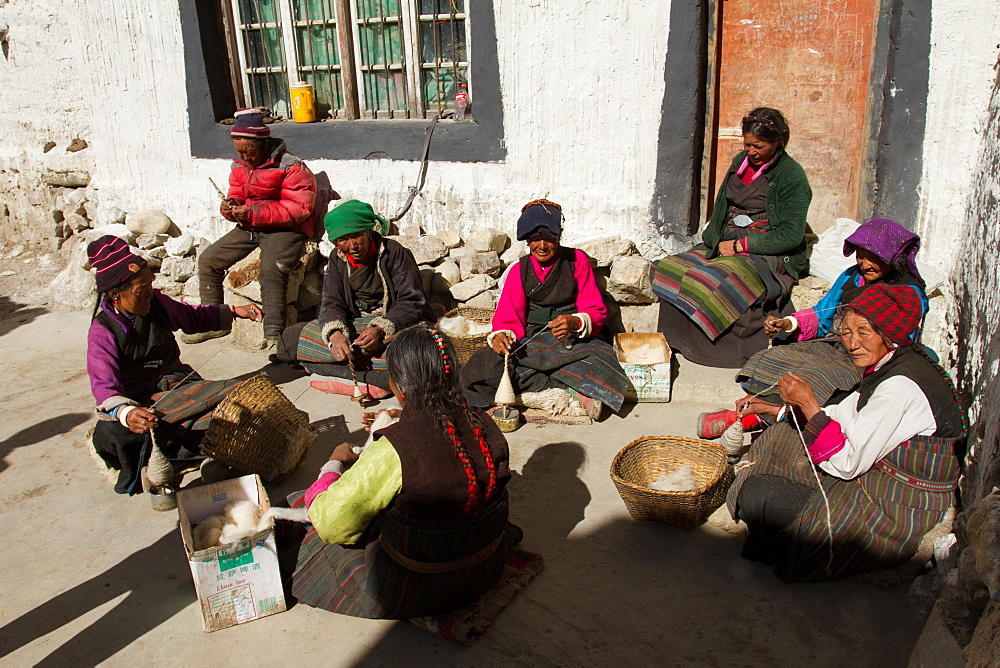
(272, 195)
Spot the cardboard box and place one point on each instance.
(235, 583)
(650, 383)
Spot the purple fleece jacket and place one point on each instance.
(103, 364)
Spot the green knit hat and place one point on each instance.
(351, 217)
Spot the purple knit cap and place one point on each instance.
(113, 261)
(249, 123)
(887, 240)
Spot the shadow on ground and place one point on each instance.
(158, 584)
(37, 433)
(646, 592)
(14, 314)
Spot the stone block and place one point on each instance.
(115, 229)
(487, 239)
(107, 215)
(446, 275)
(192, 290)
(74, 286)
(483, 300)
(603, 251)
(248, 334)
(310, 292)
(648, 318)
(179, 269)
(809, 291)
(244, 271)
(457, 253)
(168, 285)
(629, 280)
(155, 262)
(71, 200)
(90, 209)
(468, 289)
(426, 249)
(487, 262)
(629, 315)
(76, 222)
(450, 238)
(426, 277)
(148, 221)
(517, 250)
(67, 179)
(982, 530)
(179, 246)
(148, 241)
(984, 650)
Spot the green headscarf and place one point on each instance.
(351, 217)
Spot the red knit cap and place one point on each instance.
(113, 261)
(894, 310)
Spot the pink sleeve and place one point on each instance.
(512, 309)
(588, 296)
(808, 324)
(321, 485)
(827, 442)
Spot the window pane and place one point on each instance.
(271, 91)
(442, 6)
(317, 45)
(381, 44)
(264, 47)
(312, 10)
(370, 9)
(385, 91)
(442, 41)
(327, 90)
(259, 11)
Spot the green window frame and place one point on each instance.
(368, 59)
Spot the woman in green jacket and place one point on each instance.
(714, 298)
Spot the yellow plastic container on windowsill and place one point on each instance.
(303, 103)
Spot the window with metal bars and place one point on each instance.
(374, 59)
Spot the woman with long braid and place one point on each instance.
(425, 503)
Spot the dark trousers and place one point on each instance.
(279, 254)
(768, 504)
(128, 452)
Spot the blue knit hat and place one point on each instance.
(542, 216)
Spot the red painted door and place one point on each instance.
(811, 60)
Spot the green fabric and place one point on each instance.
(341, 513)
(351, 217)
(788, 198)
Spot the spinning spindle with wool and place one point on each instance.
(505, 392)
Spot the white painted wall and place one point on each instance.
(962, 60)
(582, 84)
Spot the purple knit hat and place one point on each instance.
(887, 240)
(113, 261)
(249, 123)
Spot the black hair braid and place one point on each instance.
(422, 363)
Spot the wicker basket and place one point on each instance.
(256, 429)
(467, 344)
(644, 460)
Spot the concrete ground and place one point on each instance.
(92, 577)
